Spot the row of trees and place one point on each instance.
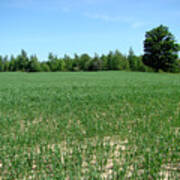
(112, 61)
(160, 53)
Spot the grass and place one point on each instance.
(97, 125)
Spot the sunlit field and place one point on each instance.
(89, 125)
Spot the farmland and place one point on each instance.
(89, 125)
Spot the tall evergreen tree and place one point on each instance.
(53, 62)
(22, 61)
(68, 64)
(132, 59)
(6, 63)
(1, 64)
(104, 62)
(84, 60)
(33, 65)
(12, 64)
(109, 61)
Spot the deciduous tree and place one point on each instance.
(160, 49)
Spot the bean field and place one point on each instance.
(89, 125)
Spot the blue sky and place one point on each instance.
(82, 26)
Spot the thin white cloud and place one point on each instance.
(39, 5)
(67, 6)
(18, 3)
(66, 9)
(53, 3)
(127, 20)
(139, 24)
(95, 1)
(108, 18)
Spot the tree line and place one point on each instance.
(112, 61)
(160, 54)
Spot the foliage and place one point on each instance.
(118, 61)
(66, 63)
(161, 49)
(84, 61)
(22, 61)
(161, 54)
(112, 61)
(33, 65)
(45, 67)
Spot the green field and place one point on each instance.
(89, 125)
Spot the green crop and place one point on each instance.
(89, 125)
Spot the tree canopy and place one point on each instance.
(160, 52)
(161, 49)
